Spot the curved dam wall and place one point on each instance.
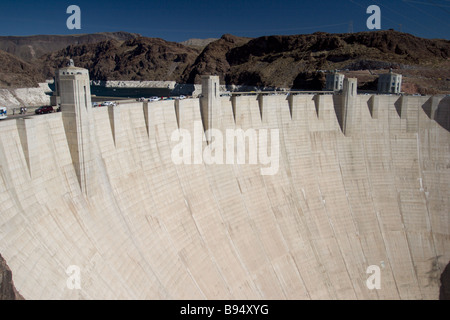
(147, 228)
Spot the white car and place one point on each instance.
(107, 104)
(154, 99)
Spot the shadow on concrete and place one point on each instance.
(290, 103)
(398, 106)
(337, 103)
(442, 115)
(370, 104)
(316, 99)
(438, 111)
(444, 293)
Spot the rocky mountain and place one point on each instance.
(295, 61)
(14, 72)
(7, 289)
(287, 61)
(213, 60)
(136, 59)
(32, 47)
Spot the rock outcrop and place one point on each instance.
(14, 72)
(269, 61)
(29, 48)
(293, 61)
(7, 289)
(140, 59)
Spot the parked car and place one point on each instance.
(44, 109)
(3, 113)
(107, 104)
(154, 99)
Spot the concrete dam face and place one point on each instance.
(358, 207)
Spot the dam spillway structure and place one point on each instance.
(96, 193)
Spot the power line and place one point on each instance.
(405, 17)
(423, 11)
(443, 7)
(434, 4)
(365, 7)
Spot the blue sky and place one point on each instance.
(177, 20)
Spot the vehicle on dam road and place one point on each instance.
(154, 99)
(107, 104)
(3, 113)
(44, 109)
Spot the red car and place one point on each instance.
(45, 109)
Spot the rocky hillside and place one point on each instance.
(32, 47)
(295, 61)
(135, 59)
(212, 60)
(7, 289)
(15, 72)
(287, 61)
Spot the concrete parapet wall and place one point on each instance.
(151, 229)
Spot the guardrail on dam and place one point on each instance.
(359, 186)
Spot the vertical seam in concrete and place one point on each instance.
(310, 240)
(286, 159)
(230, 239)
(150, 275)
(380, 229)
(256, 232)
(419, 165)
(282, 145)
(335, 239)
(400, 209)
